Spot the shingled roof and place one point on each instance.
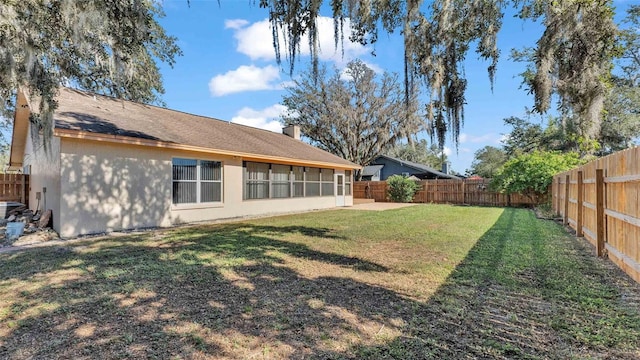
(80, 112)
(420, 167)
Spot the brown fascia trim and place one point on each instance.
(20, 129)
(85, 135)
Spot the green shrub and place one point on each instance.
(531, 174)
(401, 189)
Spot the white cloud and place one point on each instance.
(266, 118)
(256, 41)
(235, 24)
(245, 78)
(446, 151)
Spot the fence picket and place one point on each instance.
(445, 191)
(608, 206)
(14, 187)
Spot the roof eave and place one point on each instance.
(85, 135)
(422, 168)
(19, 132)
(407, 164)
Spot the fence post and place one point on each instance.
(557, 203)
(580, 197)
(22, 190)
(553, 194)
(435, 192)
(427, 191)
(600, 233)
(565, 218)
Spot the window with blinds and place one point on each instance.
(256, 185)
(347, 182)
(280, 184)
(210, 181)
(312, 182)
(196, 181)
(327, 182)
(273, 181)
(298, 181)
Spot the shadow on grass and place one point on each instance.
(525, 290)
(225, 292)
(200, 290)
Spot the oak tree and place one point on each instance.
(487, 161)
(573, 57)
(106, 46)
(354, 113)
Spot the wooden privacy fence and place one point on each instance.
(446, 191)
(14, 187)
(600, 202)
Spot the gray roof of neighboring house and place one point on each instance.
(420, 167)
(82, 111)
(371, 170)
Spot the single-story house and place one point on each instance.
(384, 166)
(114, 165)
(371, 172)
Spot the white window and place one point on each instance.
(298, 181)
(327, 182)
(347, 182)
(256, 185)
(312, 182)
(272, 181)
(196, 181)
(280, 185)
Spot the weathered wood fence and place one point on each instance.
(469, 192)
(14, 187)
(600, 201)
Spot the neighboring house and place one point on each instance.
(371, 172)
(114, 164)
(384, 166)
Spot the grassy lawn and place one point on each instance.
(427, 281)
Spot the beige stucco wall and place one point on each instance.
(44, 175)
(108, 187)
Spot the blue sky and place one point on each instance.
(229, 71)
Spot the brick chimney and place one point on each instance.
(292, 131)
